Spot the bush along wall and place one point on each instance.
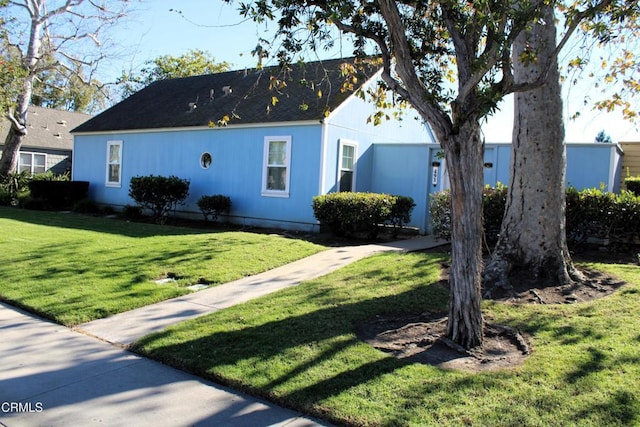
(593, 216)
(58, 194)
(158, 194)
(213, 206)
(346, 213)
(633, 184)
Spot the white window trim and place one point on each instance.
(106, 179)
(265, 166)
(32, 154)
(354, 144)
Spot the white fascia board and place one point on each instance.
(203, 128)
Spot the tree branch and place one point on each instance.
(19, 127)
(414, 88)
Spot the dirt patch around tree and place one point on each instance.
(420, 338)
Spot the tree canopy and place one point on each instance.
(452, 61)
(54, 39)
(193, 63)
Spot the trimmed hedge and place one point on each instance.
(349, 212)
(608, 217)
(213, 206)
(159, 194)
(593, 216)
(58, 194)
(633, 184)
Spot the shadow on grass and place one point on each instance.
(306, 356)
(328, 331)
(97, 224)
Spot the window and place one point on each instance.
(277, 164)
(346, 169)
(32, 162)
(206, 160)
(114, 163)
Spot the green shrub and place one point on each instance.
(596, 214)
(401, 211)
(32, 203)
(494, 200)
(159, 194)
(440, 214)
(132, 213)
(5, 198)
(591, 214)
(58, 194)
(86, 206)
(348, 212)
(50, 176)
(14, 184)
(633, 184)
(213, 206)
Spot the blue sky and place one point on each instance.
(216, 26)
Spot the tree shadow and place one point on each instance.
(99, 224)
(72, 379)
(330, 329)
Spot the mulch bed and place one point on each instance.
(421, 338)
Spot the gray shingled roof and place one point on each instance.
(48, 128)
(244, 95)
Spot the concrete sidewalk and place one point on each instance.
(51, 375)
(124, 328)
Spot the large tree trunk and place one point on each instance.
(10, 150)
(464, 161)
(18, 130)
(533, 237)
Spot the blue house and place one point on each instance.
(269, 139)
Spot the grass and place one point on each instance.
(298, 348)
(75, 268)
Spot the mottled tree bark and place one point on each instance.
(533, 237)
(10, 150)
(464, 162)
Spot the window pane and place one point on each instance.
(39, 160)
(346, 181)
(114, 154)
(276, 178)
(114, 173)
(25, 161)
(24, 168)
(277, 152)
(348, 152)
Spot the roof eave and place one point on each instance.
(202, 128)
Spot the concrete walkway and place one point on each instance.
(125, 328)
(50, 375)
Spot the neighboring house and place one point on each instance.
(286, 141)
(48, 144)
(631, 163)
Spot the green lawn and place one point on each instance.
(75, 268)
(298, 348)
